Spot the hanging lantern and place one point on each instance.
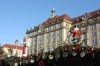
(82, 54)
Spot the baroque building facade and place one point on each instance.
(54, 31)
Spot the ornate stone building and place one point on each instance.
(53, 32)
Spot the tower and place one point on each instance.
(53, 13)
(21, 43)
(16, 42)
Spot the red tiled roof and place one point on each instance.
(66, 17)
(50, 20)
(12, 46)
(93, 14)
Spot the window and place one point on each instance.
(42, 30)
(40, 50)
(85, 28)
(85, 43)
(48, 28)
(36, 32)
(48, 49)
(98, 12)
(41, 36)
(41, 42)
(34, 38)
(53, 40)
(53, 48)
(53, 33)
(93, 34)
(58, 38)
(94, 42)
(48, 34)
(58, 31)
(54, 26)
(77, 19)
(34, 42)
(93, 27)
(59, 25)
(67, 25)
(48, 40)
(84, 35)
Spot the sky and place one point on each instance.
(16, 16)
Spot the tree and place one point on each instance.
(1, 51)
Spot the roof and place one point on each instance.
(50, 20)
(12, 46)
(66, 17)
(93, 14)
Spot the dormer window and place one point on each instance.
(56, 19)
(77, 19)
(98, 12)
(87, 15)
(82, 18)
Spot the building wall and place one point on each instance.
(55, 35)
(50, 39)
(14, 52)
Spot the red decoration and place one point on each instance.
(67, 48)
(24, 49)
(41, 63)
(89, 50)
(40, 54)
(76, 48)
(99, 50)
(80, 33)
(27, 58)
(77, 33)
